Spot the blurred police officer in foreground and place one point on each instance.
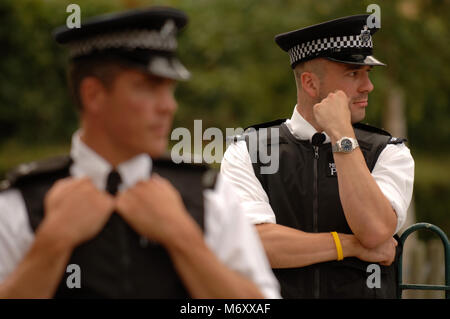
(343, 188)
(132, 221)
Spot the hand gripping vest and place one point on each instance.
(117, 263)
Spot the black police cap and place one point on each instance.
(145, 38)
(346, 40)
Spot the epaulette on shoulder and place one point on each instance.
(373, 129)
(370, 128)
(266, 124)
(185, 163)
(253, 129)
(34, 169)
(397, 140)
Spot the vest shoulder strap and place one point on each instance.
(35, 170)
(209, 175)
(256, 133)
(167, 161)
(371, 129)
(372, 141)
(397, 140)
(267, 124)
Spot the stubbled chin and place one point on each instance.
(358, 117)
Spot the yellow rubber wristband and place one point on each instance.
(340, 254)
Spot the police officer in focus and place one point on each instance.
(342, 188)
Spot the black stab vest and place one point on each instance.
(304, 195)
(117, 263)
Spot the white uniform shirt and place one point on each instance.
(393, 172)
(227, 231)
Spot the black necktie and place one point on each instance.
(120, 227)
(318, 139)
(113, 181)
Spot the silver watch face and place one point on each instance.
(346, 145)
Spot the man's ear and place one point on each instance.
(92, 94)
(310, 84)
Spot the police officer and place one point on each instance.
(342, 188)
(134, 224)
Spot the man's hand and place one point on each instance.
(76, 211)
(333, 115)
(153, 208)
(383, 254)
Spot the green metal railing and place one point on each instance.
(446, 244)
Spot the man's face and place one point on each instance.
(353, 80)
(139, 112)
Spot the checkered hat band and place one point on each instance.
(129, 39)
(306, 49)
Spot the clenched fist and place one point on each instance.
(154, 209)
(383, 254)
(76, 211)
(333, 115)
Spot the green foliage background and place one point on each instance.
(240, 76)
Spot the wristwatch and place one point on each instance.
(345, 145)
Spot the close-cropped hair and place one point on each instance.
(104, 68)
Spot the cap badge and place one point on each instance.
(168, 29)
(365, 35)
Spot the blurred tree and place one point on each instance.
(33, 95)
(240, 76)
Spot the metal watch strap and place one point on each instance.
(336, 147)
